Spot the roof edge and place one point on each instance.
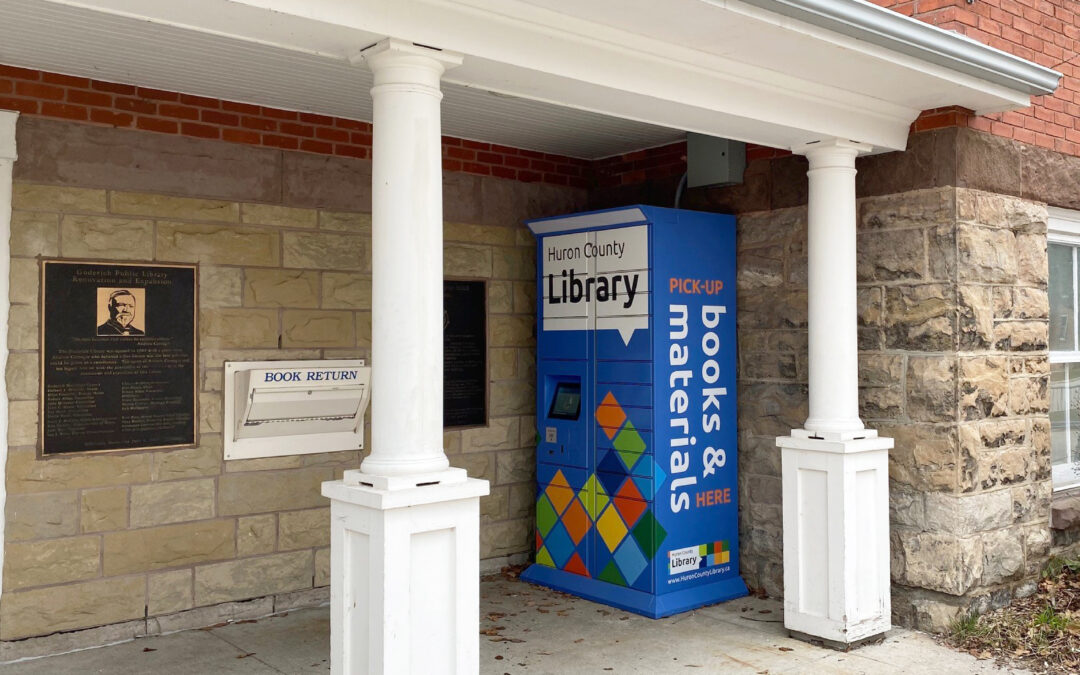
(885, 28)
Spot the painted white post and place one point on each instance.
(404, 546)
(407, 260)
(833, 311)
(835, 471)
(7, 159)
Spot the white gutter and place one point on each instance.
(885, 28)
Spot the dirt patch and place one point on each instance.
(1040, 632)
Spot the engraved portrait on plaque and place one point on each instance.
(118, 356)
(121, 310)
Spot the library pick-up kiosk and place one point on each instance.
(637, 494)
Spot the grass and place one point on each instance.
(1040, 632)
(1051, 620)
(966, 628)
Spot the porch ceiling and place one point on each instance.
(584, 79)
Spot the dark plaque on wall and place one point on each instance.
(118, 357)
(464, 354)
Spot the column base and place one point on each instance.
(833, 644)
(405, 577)
(448, 476)
(836, 536)
(851, 435)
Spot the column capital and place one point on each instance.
(830, 146)
(7, 135)
(396, 61)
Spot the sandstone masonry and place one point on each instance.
(141, 536)
(953, 359)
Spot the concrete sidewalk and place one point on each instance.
(526, 629)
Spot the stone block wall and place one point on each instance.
(953, 365)
(145, 539)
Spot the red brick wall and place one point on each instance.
(33, 92)
(1044, 31)
(635, 167)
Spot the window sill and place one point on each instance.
(1065, 509)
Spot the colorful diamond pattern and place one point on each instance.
(630, 561)
(611, 574)
(629, 491)
(544, 558)
(649, 534)
(546, 516)
(658, 475)
(559, 492)
(630, 510)
(610, 503)
(611, 528)
(629, 444)
(559, 545)
(610, 415)
(592, 495)
(644, 485)
(610, 463)
(576, 520)
(576, 565)
(610, 481)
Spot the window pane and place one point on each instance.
(1062, 321)
(1058, 394)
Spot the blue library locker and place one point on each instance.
(637, 498)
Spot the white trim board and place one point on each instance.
(548, 74)
(8, 156)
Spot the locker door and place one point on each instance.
(623, 426)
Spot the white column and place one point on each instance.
(835, 471)
(7, 159)
(404, 528)
(833, 312)
(407, 260)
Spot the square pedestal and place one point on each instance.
(836, 537)
(405, 578)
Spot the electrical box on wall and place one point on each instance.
(275, 408)
(713, 161)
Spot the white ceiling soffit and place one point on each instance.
(312, 74)
(586, 79)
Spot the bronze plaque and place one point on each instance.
(118, 356)
(464, 353)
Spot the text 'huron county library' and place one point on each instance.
(199, 267)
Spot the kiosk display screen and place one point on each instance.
(566, 405)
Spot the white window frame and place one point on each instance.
(1063, 227)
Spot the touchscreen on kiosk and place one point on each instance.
(566, 404)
